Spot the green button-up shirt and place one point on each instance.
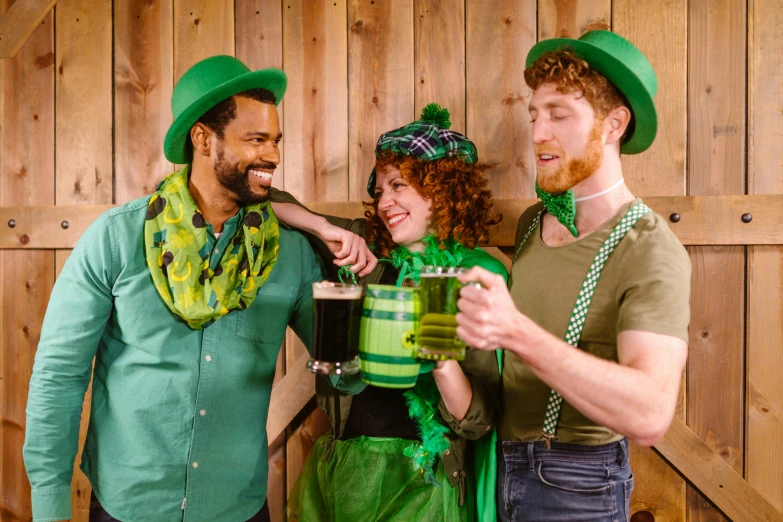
(178, 422)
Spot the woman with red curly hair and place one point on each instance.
(430, 206)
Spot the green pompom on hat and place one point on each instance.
(436, 114)
(427, 138)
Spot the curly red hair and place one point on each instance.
(462, 206)
(571, 74)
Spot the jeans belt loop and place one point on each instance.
(531, 454)
(623, 451)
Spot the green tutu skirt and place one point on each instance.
(369, 479)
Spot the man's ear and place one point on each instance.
(200, 137)
(617, 122)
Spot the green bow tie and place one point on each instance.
(562, 206)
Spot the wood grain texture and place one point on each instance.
(714, 477)
(289, 396)
(27, 96)
(704, 220)
(499, 34)
(380, 81)
(258, 33)
(716, 363)
(19, 22)
(143, 81)
(202, 28)
(716, 165)
(659, 30)
(439, 51)
(83, 131)
(316, 116)
(26, 278)
(764, 392)
(572, 18)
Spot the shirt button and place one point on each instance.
(202, 412)
(455, 474)
(208, 358)
(489, 428)
(446, 452)
(195, 465)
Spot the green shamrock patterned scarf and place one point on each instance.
(175, 240)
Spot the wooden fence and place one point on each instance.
(85, 102)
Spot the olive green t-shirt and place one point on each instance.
(645, 285)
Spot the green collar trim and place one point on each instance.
(436, 253)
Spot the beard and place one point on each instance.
(237, 181)
(571, 172)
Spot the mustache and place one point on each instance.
(553, 151)
(263, 165)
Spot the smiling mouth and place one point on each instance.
(396, 219)
(261, 174)
(544, 159)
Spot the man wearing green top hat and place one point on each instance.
(182, 298)
(589, 363)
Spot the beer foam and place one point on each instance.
(346, 293)
(431, 271)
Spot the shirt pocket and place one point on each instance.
(265, 321)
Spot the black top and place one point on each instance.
(381, 412)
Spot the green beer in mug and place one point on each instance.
(437, 337)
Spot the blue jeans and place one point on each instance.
(568, 483)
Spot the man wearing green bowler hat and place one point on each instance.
(589, 363)
(182, 298)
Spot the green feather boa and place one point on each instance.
(422, 403)
(423, 399)
(436, 253)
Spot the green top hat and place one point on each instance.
(206, 84)
(627, 68)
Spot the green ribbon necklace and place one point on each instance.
(175, 242)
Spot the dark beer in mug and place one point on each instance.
(337, 316)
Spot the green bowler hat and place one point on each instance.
(626, 67)
(206, 84)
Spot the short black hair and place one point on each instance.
(224, 112)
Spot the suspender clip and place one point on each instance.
(548, 438)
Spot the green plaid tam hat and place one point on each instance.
(428, 138)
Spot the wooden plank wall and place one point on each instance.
(92, 92)
(764, 313)
(27, 115)
(716, 159)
